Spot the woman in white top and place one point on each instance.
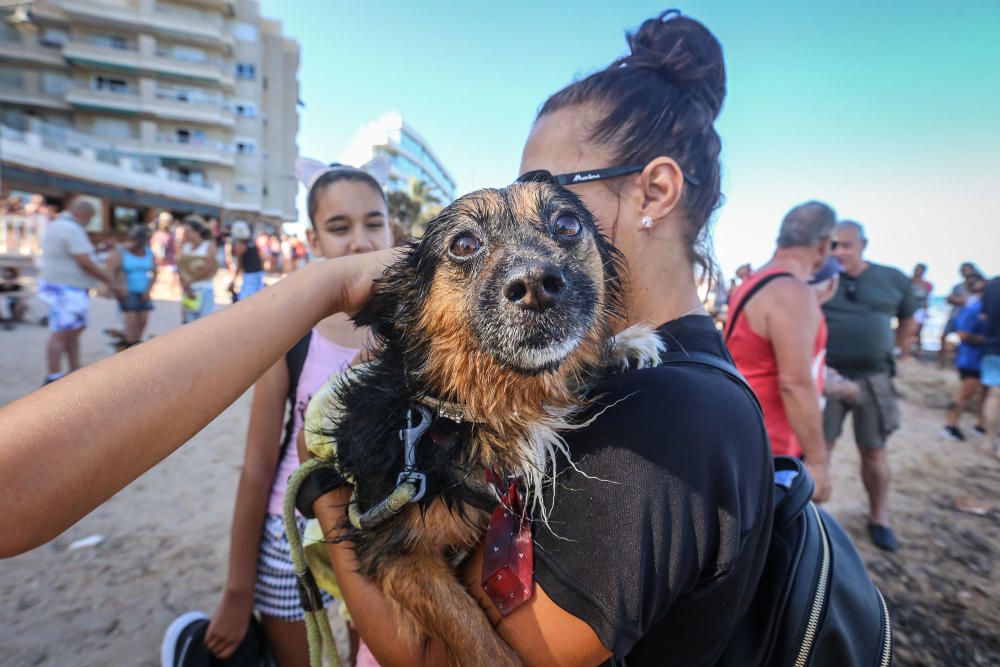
(197, 266)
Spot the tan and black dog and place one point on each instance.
(498, 319)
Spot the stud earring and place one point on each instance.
(647, 223)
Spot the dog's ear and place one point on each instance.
(390, 293)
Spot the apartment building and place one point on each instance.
(149, 105)
(408, 155)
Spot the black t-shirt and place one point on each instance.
(991, 311)
(660, 549)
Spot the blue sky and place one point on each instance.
(889, 111)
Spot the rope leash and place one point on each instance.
(318, 632)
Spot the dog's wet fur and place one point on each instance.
(512, 332)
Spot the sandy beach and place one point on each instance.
(164, 539)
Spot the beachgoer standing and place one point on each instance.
(197, 266)
(349, 216)
(777, 335)
(971, 327)
(922, 290)
(860, 348)
(68, 273)
(956, 299)
(245, 261)
(135, 263)
(990, 367)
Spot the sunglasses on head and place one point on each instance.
(573, 178)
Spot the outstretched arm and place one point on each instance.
(68, 447)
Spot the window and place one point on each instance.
(246, 71)
(56, 83)
(53, 37)
(264, 190)
(113, 128)
(11, 77)
(193, 137)
(110, 84)
(110, 41)
(246, 109)
(245, 32)
(246, 188)
(188, 175)
(245, 147)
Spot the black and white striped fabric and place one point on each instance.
(275, 593)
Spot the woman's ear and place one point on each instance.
(662, 184)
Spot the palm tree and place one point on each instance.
(414, 207)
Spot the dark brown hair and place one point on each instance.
(663, 99)
(338, 172)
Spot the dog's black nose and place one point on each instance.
(534, 285)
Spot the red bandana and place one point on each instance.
(509, 564)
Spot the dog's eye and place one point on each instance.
(567, 225)
(465, 245)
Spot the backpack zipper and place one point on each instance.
(820, 596)
(887, 635)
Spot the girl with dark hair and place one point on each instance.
(663, 525)
(348, 212)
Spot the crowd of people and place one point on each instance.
(812, 331)
(185, 255)
(818, 332)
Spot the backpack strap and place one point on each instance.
(295, 361)
(718, 363)
(731, 322)
(796, 484)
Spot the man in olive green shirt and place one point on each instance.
(860, 347)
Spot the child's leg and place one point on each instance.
(288, 641)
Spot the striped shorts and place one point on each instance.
(275, 593)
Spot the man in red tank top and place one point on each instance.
(777, 335)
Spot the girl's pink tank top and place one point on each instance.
(323, 359)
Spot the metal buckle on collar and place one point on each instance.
(411, 436)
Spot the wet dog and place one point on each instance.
(488, 332)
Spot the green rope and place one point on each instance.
(321, 642)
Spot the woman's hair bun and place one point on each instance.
(684, 52)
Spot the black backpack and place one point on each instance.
(815, 604)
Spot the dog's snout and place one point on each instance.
(534, 285)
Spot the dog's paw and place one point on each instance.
(636, 347)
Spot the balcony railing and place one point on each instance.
(117, 99)
(196, 144)
(207, 26)
(67, 151)
(189, 97)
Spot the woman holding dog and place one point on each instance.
(656, 567)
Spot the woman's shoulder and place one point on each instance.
(651, 412)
